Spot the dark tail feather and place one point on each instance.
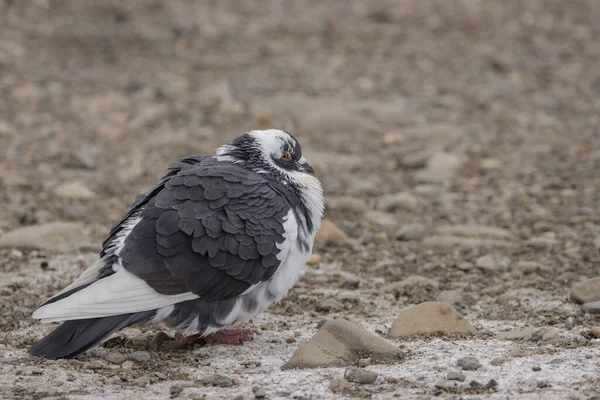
(76, 336)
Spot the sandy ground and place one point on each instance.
(479, 121)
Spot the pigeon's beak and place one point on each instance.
(306, 167)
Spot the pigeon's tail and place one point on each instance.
(76, 336)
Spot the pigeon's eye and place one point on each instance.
(286, 155)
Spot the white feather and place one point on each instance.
(120, 293)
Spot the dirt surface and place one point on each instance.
(457, 141)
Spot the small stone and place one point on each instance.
(36, 371)
(140, 356)
(260, 393)
(74, 190)
(596, 332)
(468, 363)
(496, 361)
(313, 259)
(456, 376)
(397, 201)
(127, 365)
(176, 390)
(360, 375)
(517, 352)
(115, 357)
(339, 385)
(518, 334)
(329, 304)
(492, 263)
(586, 291)
(330, 233)
(593, 307)
(382, 219)
(492, 383)
(536, 368)
(391, 379)
(411, 232)
(549, 335)
(341, 343)
(441, 167)
(158, 339)
(215, 380)
(446, 385)
(543, 383)
(195, 396)
(94, 364)
(429, 317)
(475, 384)
(364, 362)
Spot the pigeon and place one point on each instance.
(216, 241)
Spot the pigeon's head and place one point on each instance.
(269, 151)
(277, 155)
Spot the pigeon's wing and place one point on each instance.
(211, 230)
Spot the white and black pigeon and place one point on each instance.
(216, 241)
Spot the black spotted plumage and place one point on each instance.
(212, 226)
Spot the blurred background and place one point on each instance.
(457, 141)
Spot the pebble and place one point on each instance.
(175, 390)
(586, 291)
(330, 233)
(536, 368)
(313, 259)
(260, 393)
(492, 263)
(468, 363)
(456, 376)
(215, 380)
(74, 190)
(593, 307)
(140, 356)
(56, 236)
(549, 334)
(94, 364)
(196, 396)
(596, 332)
(364, 362)
(441, 167)
(341, 343)
(382, 219)
(339, 385)
(127, 364)
(115, 357)
(411, 232)
(517, 352)
(518, 334)
(360, 375)
(446, 385)
(158, 340)
(397, 201)
(496, 361)
(429, 317)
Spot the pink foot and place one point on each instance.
(230, 336)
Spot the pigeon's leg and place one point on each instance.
(230, 336)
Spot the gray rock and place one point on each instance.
(468, 363)
(518, 334)
(115, 357)
(360, 375)
(215, 380)
(586, 291)
(140, 356)
(593, 307)
(158, 339)
(417, 288)
(260, 393)
(56, 236)
(446, 385)
(456, 376)
(492, 263)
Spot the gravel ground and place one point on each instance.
(458, 146)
